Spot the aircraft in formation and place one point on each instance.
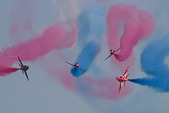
(122, 79)
(23, 68)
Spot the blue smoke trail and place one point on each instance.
(83, 25)
(92, 25)
(153, 63)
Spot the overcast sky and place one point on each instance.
(43, 94)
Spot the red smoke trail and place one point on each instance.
(69, 38)
(103, 88)
(7, 70)
(56, 36)
(137, 25)
(60, 71)
(64, 77)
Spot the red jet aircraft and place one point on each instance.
(23, 68)
(123, 79)
(76, 66)
(112, 52)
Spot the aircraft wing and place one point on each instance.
(69, 63)
(117, 49)
(82, 69)
(125, 73)
(20, 60)
(108, 57)
(20, 65)
(26, 75)
(121, 85)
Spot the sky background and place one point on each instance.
(45, 93)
